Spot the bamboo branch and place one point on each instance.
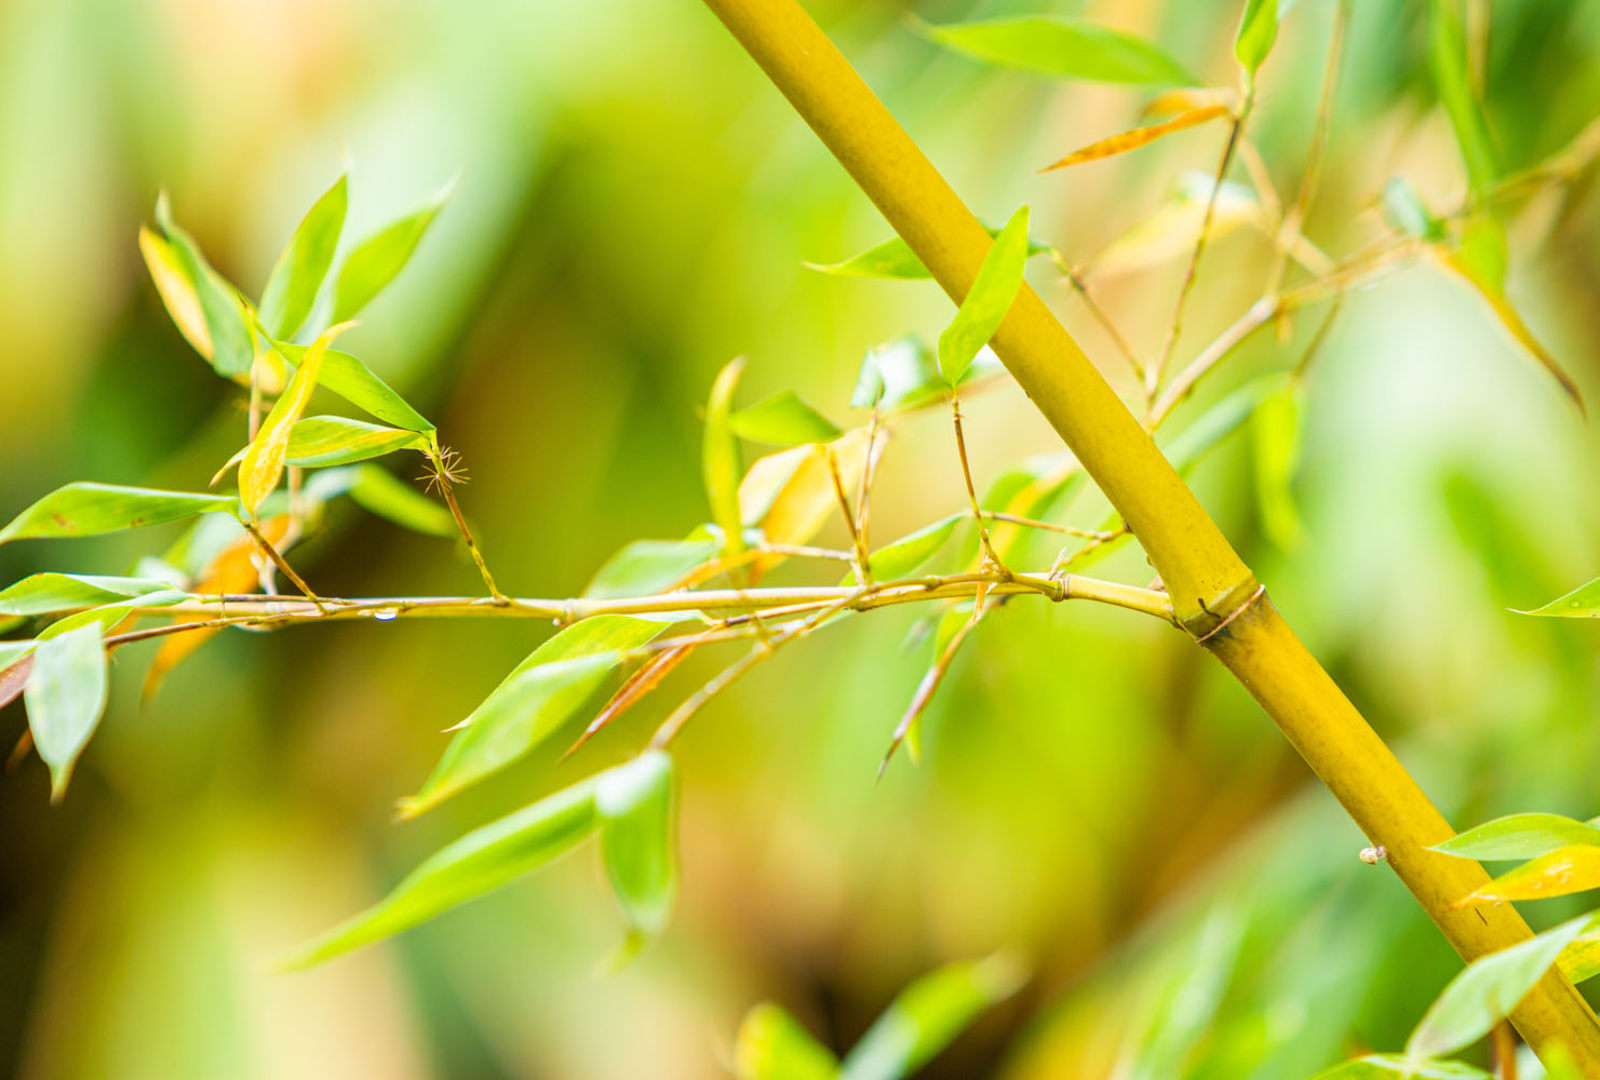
(1214, 594)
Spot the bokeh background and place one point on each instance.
(635, 207)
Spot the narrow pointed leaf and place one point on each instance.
(347, 376)
(1407, 213)
(638, 841)
(44, 593)
(1489, 988)
(262, 465)
(109, 616)
(321, 441)
(532, 703)
(1276, 430)
(1581, 603)
(894, 260)
(988, 301)
(478, 863)
(720, 459)
(88, 509)
(297, 277)
(377, 260)
(647, 567)
(783, 420)
(898, 374)
(1571, 869)
(1065, 48)
(772, 1045)
(1447, 57)
(177, 292)
(1580, 961)
(231, 349)
(928, 1015)
(1127, 141)
(898, 559)
(65, 696)
(1391, 1067)
(1258, 29)
(1520, 836)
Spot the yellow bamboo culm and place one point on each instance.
(1214, 595)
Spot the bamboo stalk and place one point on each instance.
(1214, 595)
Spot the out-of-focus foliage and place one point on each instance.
(1091, 793)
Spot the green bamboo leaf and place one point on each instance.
(478, 863)
(783, 420)
(1065, 48)
(66, 695)
(531, 703)
(1221, 420)
(720, 459)
(772, 1045)
(1581, 603)
(894, 260)
(898, 559)
(228, 343)
(262, 464)
(378, 259)
(1258, 29)
(41, 594)
(647, 567)
(988, 301)
(1407, 213)
(1490, 987)
(1520, 836)
(1447, 57)
(352, 380)
(1571, 869)
(297, 277)
(638, 839)
(321, 441)
(107, 616)
(898, 374)
(1387, 1066)
(1276, 430)
(88, 509)
(1580, 961)
(928, 1015)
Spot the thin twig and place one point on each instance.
(282, 564)
(972, 493)
(925, 691)
(863, 571)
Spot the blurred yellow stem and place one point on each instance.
(1214, 595)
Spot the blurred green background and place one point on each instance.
(635, 208)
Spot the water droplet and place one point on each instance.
(386, 615)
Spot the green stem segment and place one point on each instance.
(1214, 595)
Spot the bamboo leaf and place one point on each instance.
(894, 260)
(1407, 213)
(638, 840)
(646, 567)
(790, 494)
(109, 616)
(1520, 836)
(1489, 988)
(88, 509)
(1258, 29)
(772, 1045)
(783, 420)
(377, 260)
(1581, 603)
(261, 467)
(988, 301)
(898, 374)
(1580, 961)
(478, 863)
(1276, 430)
(1386, 1066)
(227, 340)
(177, 292)
(41, 594)
(321, 441)
(1127, 141)
(900, 558)
(352, 380)
(928, 1015)
(1571, 869)
(298, 274)
(720, 459)
(531, 703)
(1062, 47)
(1447, 57)
(65, 696)
(1171, 230)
